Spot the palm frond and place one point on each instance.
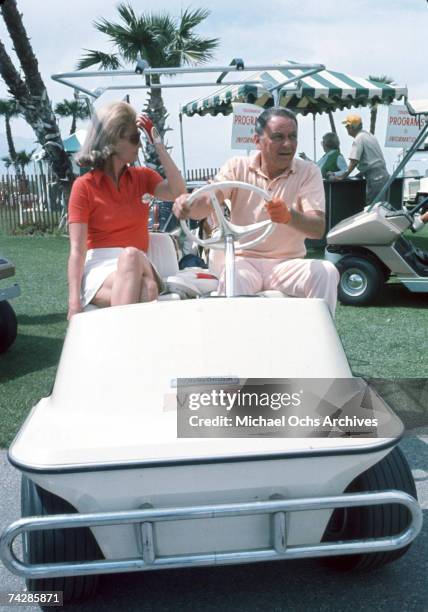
(131, 39)
(72, 108)
(128, 15)
(9, 107)
(189, 20)
(197, 50)
(62, 109)
(23, 158)
(113, 30)
(106, 61)
(384, 79)
(7, 161)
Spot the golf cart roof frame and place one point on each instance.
(143, 70)
(145, 74)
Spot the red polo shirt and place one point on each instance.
(116, 216)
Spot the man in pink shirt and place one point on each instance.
(297, 206)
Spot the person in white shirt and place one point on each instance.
(367, 156)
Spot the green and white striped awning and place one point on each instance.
(326, 91)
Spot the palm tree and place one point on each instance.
(23, 159)
(9, 109)
(385, 80)
(76, 109)
(162, 41)
(31, 95)
(7, 162)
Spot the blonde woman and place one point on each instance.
(108, 220)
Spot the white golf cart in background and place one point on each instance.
(370, 247)
(8, 321)
(109, 486)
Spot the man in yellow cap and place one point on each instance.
(367, 156)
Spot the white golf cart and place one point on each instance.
(109, 485)
(8, 321)
(370, 247)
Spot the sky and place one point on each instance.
(359, 37)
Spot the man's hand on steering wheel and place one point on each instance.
(206, 200)
(278, 211)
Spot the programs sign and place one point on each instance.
(402, 128)
(243, 127)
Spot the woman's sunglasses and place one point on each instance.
(133, 138)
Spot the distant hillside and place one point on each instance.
(20, 143)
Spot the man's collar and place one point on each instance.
(256, 166)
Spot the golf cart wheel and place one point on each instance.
(8, 326)
(360, 281)
(392, 472)
(57, 545)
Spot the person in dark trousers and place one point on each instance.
(367, 156)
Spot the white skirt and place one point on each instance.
(99, 264)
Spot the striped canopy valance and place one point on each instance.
(326, 91)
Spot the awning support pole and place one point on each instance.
(275, 93)
(315, 138)
(332, 124)
(183, 157)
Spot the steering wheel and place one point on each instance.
(225, 227)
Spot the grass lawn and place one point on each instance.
(27, 370)
(388, 340)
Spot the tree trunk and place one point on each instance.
(10, 143)
(32, 97)
(332, 124)
(11, 147)
(373, 118)
(73, 125)
(158, 114)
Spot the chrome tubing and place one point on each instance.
(420, 138)
(230, 267)
(147, 516)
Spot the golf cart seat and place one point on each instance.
(191, 282)
(180, 284)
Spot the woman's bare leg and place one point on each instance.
(127, 283)
(149, 290)
(132, 282)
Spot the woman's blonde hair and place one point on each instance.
(109, 123)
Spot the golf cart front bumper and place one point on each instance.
(143, 520)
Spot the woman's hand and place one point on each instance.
(145, 124)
